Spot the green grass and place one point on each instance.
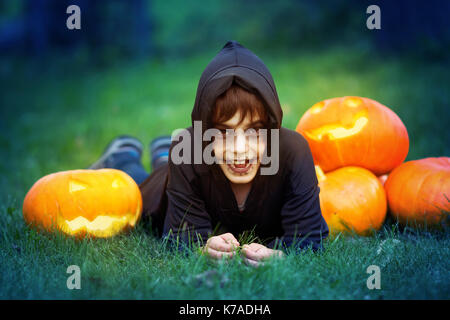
(57, 117)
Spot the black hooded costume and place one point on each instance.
(193, 200)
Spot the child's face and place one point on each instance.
(246, 147)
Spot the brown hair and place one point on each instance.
(237, 98)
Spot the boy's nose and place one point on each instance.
(241, 145)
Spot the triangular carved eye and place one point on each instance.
(353, 102)
(76, 185)
(117, 183)
(317, 107)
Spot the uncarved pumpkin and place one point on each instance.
(354, 131)
(100, 203)
(352, 199)
(419, 191)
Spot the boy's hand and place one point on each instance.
(254, 253)
(223, 245)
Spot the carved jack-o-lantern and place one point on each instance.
(354, 131)
(100, 203)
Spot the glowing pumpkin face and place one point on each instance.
(354, 131)
(419, 191)
(351, 198)
(100, 203)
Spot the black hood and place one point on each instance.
(235, 63)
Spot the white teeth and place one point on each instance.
(239, 173)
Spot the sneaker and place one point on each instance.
(159, 151)
(118, 147)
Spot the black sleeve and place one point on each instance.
(186, 221)
(302, 221)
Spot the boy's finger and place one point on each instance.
(218, 254)
(249, 253)
(251, 262)
(256, 246)
(220, 246)
(228, 237)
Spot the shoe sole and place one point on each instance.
(156, 159)
(159, 142)
(119, 143)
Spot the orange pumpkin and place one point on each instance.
(100, 203)
(354, 131)
(419, 191)
(352, 198)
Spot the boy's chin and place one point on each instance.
(240, 178)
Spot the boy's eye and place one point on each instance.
(224, 132)
(249, 132)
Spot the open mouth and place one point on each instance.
(240, 167)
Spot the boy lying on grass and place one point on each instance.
(188, 196)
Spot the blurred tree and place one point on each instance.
(421, 26)
(117, 29)
(280, 25)
(111, 28)
(295, 24)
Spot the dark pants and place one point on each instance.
(152, 186)
(132, 165)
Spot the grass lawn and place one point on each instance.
(56, 115)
